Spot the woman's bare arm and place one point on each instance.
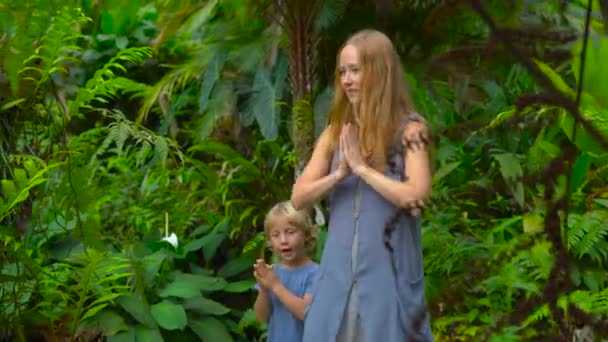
(416, 187)
(315, 181)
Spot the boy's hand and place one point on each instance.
(264, 274)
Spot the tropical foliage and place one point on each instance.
(142, 143)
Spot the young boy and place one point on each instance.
(285, 288)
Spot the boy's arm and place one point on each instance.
(262, 306)
(296, 305)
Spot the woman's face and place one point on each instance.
(350, 73)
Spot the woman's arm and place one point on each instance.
(262, 305)
(417, 186)
(315, 181)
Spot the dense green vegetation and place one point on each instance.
(123, 122)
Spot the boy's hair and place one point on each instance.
(298, 218)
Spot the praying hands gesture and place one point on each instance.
(350, 151)
(264, 274)
(415, 138)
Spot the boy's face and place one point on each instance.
(287, 241)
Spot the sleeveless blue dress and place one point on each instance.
(358, 296)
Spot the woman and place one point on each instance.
(372, 157)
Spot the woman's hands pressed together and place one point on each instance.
(350, 150)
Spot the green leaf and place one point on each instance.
(556, 79)
(210, 329)
(263, 104)
(321, 109)
(199, 18)
(11, 104)
(591, 281)
(96, 308)
(596, 71)
(444, 171)
(579, 171)
(235, 266)
(205, 306)
(511, 172)
(110, 322)
(20, 177)
(533, 223)
(9, 189)
(152, 264)
(240, 286)
(601, 201)
(210, 242)
(169, 315)
(30, 167)
(598, 118)
(210, 77)
(138, 309)
(127, 336)
(331, 11)
(143, 334)
(181, 289)
(204, 283)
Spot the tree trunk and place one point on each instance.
(299, 16)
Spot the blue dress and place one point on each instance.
(283, 326)
(358, 296)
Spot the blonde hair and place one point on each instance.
(298, 218)
(384, 99)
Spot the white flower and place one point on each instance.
(172, 239)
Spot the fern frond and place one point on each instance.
(540, 314)
(52, 55)
(587, 230)
(172, 81)
(105, 84)
(119, 132)
(255, 243)
(84, 284)
(161, 146)
(591, 302)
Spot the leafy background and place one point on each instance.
(124, 122)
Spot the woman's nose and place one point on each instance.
(346, 79)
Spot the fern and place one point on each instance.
(540, 314)
(53, 54)
(122, 129)
(177, 78)
(105, 84)
(592, 302)
(89, 282)
(257, 242)
(586, 231)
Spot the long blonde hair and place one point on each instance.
(384, 97)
